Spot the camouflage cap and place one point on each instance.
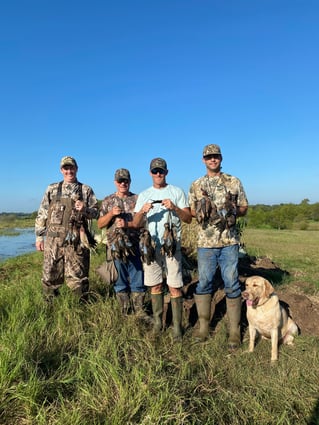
(158, 163)
(211, 150)
(122, 173)
(68, 160)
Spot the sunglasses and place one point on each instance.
(158, 171)
(122, 181)
(68, 167)
(213, 155)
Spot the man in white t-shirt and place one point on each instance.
(159, 208)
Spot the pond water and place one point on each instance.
(21, 242)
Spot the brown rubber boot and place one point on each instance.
(137, 299)
(157, 307)
(177, 313)
(203, 306)
(124, 302)
(49, 294)
(82, 292)
(234, 314)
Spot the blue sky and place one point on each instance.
(117, 83)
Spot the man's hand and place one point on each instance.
(167, 203)
(79, 206)
(39, 245)
(116, 210)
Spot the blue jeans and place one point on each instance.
(227, 259)
(131, 277)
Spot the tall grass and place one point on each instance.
(76, 364)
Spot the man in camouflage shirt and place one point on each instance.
(116, 216)
(62, 222)
(216, 200)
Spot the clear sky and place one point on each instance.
(117, 83)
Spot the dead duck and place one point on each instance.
(147, 247)
(231, 208)
(204, 209)
(121, 246)
(169, 241)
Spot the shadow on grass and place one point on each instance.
(314, 419)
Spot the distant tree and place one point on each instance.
(314, 212)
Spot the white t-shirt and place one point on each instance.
(159, 215)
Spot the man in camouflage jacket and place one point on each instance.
(216, 200)
(62, 233)
(116, 216)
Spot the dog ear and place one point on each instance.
(269, 289)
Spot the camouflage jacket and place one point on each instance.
(127, 204)
(217, 188)
(69, 190)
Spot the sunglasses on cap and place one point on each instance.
(158, 171)
(122, 181)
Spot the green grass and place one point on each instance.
(7, 224)
(72, 364)
(295, 250)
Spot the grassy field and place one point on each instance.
(8, 224)
(295, 250)
(74, 364)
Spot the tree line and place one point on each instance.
(281, 217)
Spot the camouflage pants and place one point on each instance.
(65, 263)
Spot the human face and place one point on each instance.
(159, 177)
(213, 163)
(122, 186)
(69, 173)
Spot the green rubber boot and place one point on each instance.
(234, 314)
(177, 313)
(157, 307)
(203, 306)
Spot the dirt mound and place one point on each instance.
(304, 309)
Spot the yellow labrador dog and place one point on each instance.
(266, 316)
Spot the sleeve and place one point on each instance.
(92, 208)
(139, 203)
(192, 197)
(41, 218)
(181, 200)
(242, 198)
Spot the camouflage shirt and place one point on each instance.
(69, 190)
(217, 188)
(127, 205)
